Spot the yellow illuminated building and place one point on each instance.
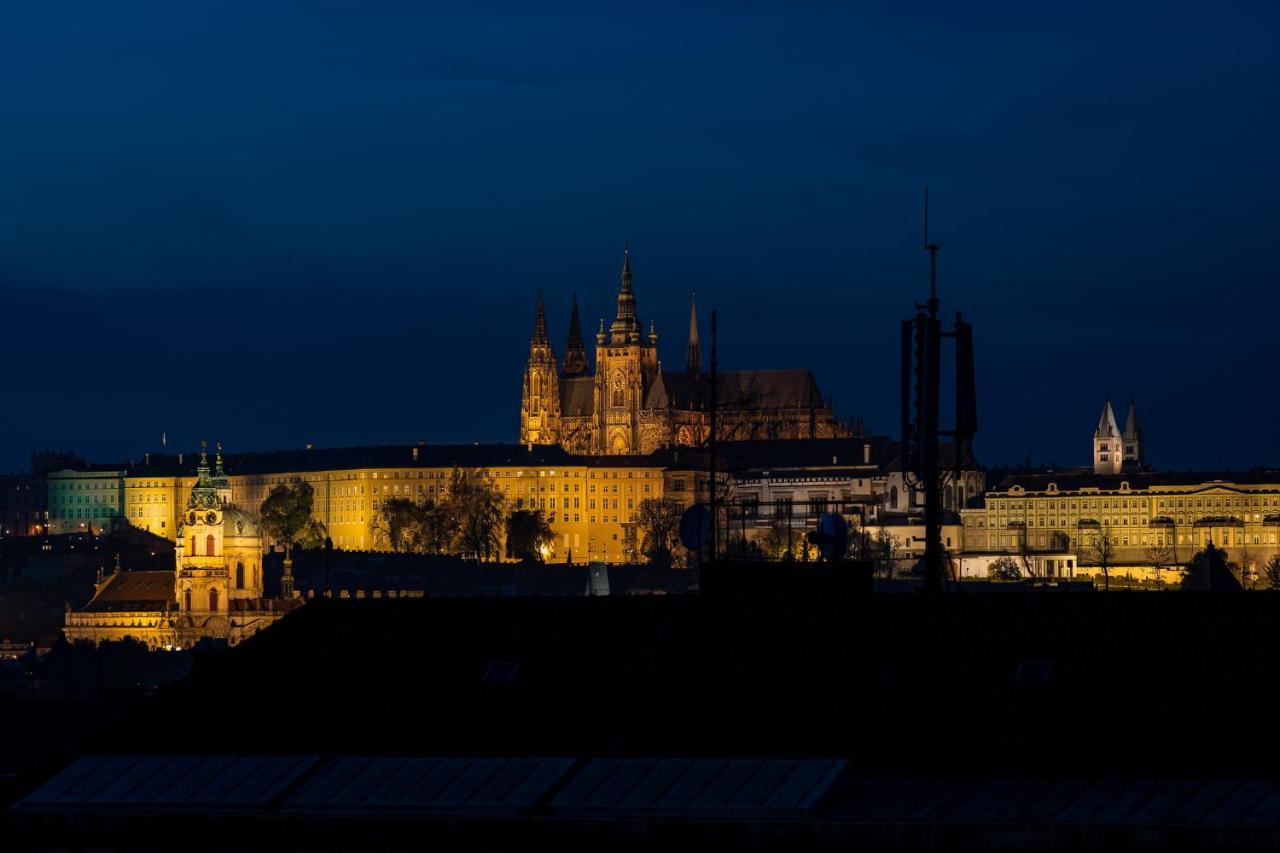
(590, 502)
(1144, 517)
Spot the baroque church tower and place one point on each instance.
(218, 549)
(540, 400)
(626, 367)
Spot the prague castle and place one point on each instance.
(629, 405)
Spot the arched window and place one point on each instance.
(193, 544)
(257, 576)
(187, 600)
(893, 497)
(239, 575)
(213, 599)
(208, 544)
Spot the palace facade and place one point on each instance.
(1122, 510)
(629, 405)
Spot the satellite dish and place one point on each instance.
(695, 527)
(831, 537)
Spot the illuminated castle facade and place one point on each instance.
(629, 405)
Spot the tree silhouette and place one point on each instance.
(286, 511)
(528, 531)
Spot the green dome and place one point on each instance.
(238, 523)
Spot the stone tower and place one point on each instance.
(693, 357)
(1108, 449)
(575, 353)
(540, 399)
(626, 366)
(1132, 438)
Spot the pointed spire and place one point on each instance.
(575, 326)
(540, 322)
(1132, 431)
(1107, 426)
(653, 333)
(693, 361)
(204, 454)
(575, 353)
(626, 328)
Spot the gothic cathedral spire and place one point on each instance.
(575, 353)
(540, 323)
(626, 327)
(540, 397)
(693, 359)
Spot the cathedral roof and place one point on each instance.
(577, 396)
(737, 390)
(132, 592)
(768, 389)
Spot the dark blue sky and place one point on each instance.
(275, 223)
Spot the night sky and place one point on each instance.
(277, 223)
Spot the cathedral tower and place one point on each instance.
(540, 400)
(1132, 438)
(626, 367)
(1108, 450)
(575, 353)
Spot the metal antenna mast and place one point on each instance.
(921, 372)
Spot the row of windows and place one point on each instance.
(1001, 504)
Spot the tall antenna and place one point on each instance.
(932, 249)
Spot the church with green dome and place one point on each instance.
(215, 590)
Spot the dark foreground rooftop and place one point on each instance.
(1058, 720)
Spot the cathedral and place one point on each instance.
(630, 405)
(215, 590)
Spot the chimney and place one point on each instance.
(415, 454)
(866, 454)
(179, 458)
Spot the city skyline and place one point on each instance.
(352, 232)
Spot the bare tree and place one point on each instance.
(1160, 556)
(1247, 573)
(888, 550)
(1025, 558)
(1101, 551)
